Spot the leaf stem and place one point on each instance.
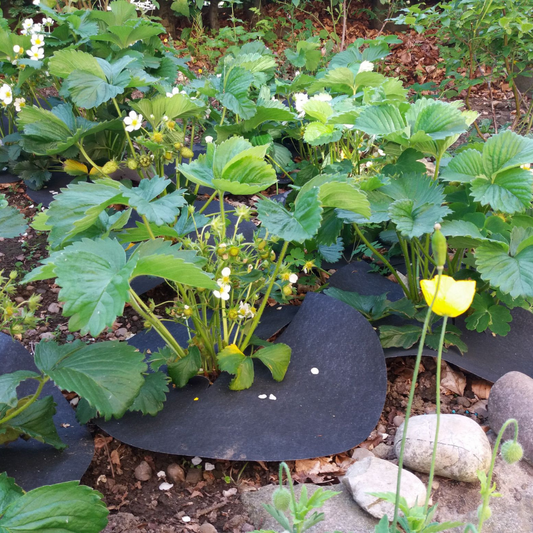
(259, 313)
(382, 258)
(145, 312)
(22, 408)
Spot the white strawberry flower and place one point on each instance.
(36, 2)
(37, 40)
(208, 139)
(35, 53)
(245, 310)
(175, 90)
(300, 99)
(366, 66)
(293, 278)
(133, 121)
(20, 103)
(223, 293)
(17, 49)
(6, 94)
(27, 24)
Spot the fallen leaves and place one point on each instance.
(453, 381)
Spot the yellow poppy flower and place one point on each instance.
(453, 298)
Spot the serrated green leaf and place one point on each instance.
(37, 422)
(61, 508)
(276, 357)
(95, 303)
(233, 361)
(488, 315)
(152, 395)
(109, 375)
(77, 208)
(506, 150)
(399, 336)
(159, 258)
(437, 119)
(88, 90)
(509, 191)
(144, 199)
(9, 492)
(296, 226)
(318, 110)
(512, 275)
(317, 134)
(464, 167)
(182, 370)
(234, 92)
(380, 120)
(246, 175)
(9, 384)
(12, 222)
(66, 61)
(372, 307)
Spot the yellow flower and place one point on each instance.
(453, 298)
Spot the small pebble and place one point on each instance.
(54, 308)
(186, 518)
(272, 397)
(207, 528)
(314, 371)
(175, 473)
(262, 396)
(166, 486)
(196, 461)
(209, 466)
(161, 474)
(398, 420)
(48, 335)
(143, 471)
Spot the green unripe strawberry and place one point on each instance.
(132, 164)
(281, 499)
(512, 451)
(187, 153)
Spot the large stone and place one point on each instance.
(341, 513)
(377, 475)
(463, 447)
(512, 397)
(512, 512)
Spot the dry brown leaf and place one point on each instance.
(115, 457)
(321, 465)
(100, 441)
(481, 388)
(452, 380)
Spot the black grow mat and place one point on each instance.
(33, 463)
(44, 196)
(7, 177)
(307, 415)
(488, 356)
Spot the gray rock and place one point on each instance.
(383, 451)
(54, 308)
(398, 420)
(341, 513)
(175, 473)
(512, 512)
(463, 447)
(512, 397)
(376, 475)
(194, 476)
(361, 453)
(207, 528)
(47, 336)
(143, 471)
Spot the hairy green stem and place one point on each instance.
(410, 405)
(257, 317)
(437, 402)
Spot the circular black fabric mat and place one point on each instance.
(488, 356)
(33, 463)
(313, 414)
